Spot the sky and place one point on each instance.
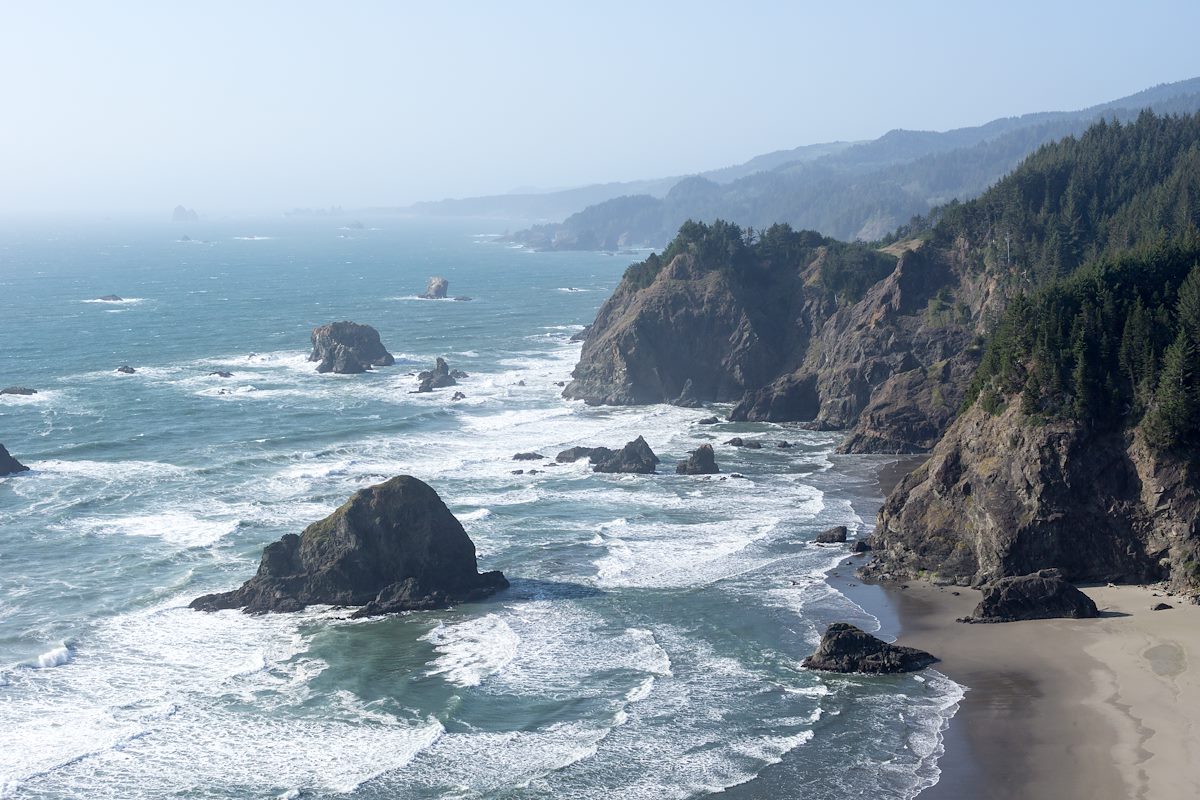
(258, 107)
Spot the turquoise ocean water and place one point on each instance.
(649, 646)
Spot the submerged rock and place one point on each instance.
(125, 369)
(702, 461)
(528, 457)
(20, 390)
(845, 648)
(1041, 595)
(835, 535)
(221, 374)
(749, 444)
(439, 377)
(9, 465)
(111, 298)
(458, 396)
(391, 547)
(634, 457)
(436, 289)
(348, 348)
(708, 421)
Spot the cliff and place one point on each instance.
(1006, 495)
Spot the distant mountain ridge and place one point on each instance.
(844, 190)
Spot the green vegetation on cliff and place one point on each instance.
(844, 270)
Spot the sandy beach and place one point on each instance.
(1100, 708)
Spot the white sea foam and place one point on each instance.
(176, 527)
(124, 301)
(53, 658)
(470, 651)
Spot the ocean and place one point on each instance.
(649, 646)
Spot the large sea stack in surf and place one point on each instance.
(391, 547)
(348, 348)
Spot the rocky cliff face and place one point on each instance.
(391, 547)
(1004, 495)
(892, 368)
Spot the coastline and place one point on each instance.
(1095, 708)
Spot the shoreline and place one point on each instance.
(1095, 709)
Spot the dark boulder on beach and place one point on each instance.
(18, 390)
(1044, 594)
(9, 465)
(845, 648)
(634, 457)
(702, 461)
(528, 457)
(436, 289)
(835, 535)
(125, 369)
(348, 348)
(391, 547)
(439, 377)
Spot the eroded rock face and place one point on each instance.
(348, 348)
(436, 289)
(702, 461)
(1041, 595)
(635, 457)
(1003, 496)
(9, 465)
(390, 547)
(845, 648)
(891, 368)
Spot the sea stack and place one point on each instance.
(702, 461)
(391, 547)
(846, 648)
(635, 457)
(439, 377)
(9, 465)
(348, 348)
(436, 289)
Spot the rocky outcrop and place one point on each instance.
(891, 367)
(635, 457)
(1003, 495)
(436, 289)
(9, 465)
(440, 377)
(708, 421)
(111, 298)
(593, 454)
(845, 648)
(835, 535)
(390, 547)
(749, 444)
(702, 461)
(1041, 595)
(348, 348)
(18, 390)
(125, 369)
(528, 457)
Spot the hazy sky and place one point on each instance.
(262, 106)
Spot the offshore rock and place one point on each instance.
(391, 547)
(635, 457)
(845, 648)
(436, 289)
(528, 457)
(18, 390)
(9, 465)
(125, 369)
(749, 444)
(348, 348)
(111, 298)
(835, 535)
(1041, 595)
(592, 454)
(702, 461)
(439, 377)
